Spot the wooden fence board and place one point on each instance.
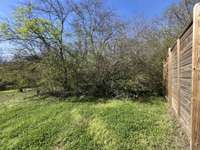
(182, 79)
(195, 140)
(183, 82)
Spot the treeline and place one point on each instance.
(68, 48)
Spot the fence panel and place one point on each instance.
(186, 79)
(182, 79)
(174, 78)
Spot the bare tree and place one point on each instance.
(179, 15)
(95, 26)
(40, 28)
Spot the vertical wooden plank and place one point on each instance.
(164, 78)
(178, 77)
(195, 137)
(170, 76)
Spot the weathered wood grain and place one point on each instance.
(182, 79)
(195, 140)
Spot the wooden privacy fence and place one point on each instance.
(182, 79)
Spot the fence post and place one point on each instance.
(195, 133)
(169, 77)
(178, 77)
(164, 78)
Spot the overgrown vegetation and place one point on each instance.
(68, 48)
(31, 122)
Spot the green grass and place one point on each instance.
(30, 122)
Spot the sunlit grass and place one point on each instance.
(30, 122)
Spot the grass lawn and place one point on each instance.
(30, 122)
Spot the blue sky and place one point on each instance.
(148, 8)
(127, 9)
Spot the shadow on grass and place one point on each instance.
(83, 99)
(36, 98)
(91, 99)
(147, 99)
(152, 100)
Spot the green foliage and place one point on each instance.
(87, 50)
(30, 122)
(21, 73)
(33, 26)
(4, 28)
